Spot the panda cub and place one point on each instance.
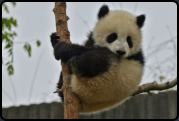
(108, 68)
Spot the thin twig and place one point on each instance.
(14, 90)
(154, 86)
(34, 76)
(7, 94)
(135, 7)
(25, 41)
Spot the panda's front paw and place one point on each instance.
(55, 38)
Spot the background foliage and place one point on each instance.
(8, 37)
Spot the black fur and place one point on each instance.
(64, 50)
(129, 41)
(111, 38)
(59, 86)
(140, 20)
(84, 61)
(90, 42)
(121, 52)
(137, 57)
(91, 63)
(104, 10)
(54, 38)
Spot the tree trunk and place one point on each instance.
(71, 101)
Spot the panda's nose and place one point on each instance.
(121, 52)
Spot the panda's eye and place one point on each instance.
(111, 38)
(129, 41)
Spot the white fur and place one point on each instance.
(122, 23)
(110, 88)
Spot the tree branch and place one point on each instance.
(71, 101)
(154, 86)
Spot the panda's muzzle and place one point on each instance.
(121, 52)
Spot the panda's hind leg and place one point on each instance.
(59, 86)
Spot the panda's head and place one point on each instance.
(119, 31)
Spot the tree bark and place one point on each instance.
(154, 86)
(71, 101)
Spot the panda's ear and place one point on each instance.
(140, 20)
(104, 10)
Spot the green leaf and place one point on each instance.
(14, 33)
(38, 43)
(27, 48)
(8, 36)
(5, 8)
(8, 46)
(3, 24)
(8, 63)
(13, 3)
(10, 52)
(10, 69)
(7, 23)
(29, 53)
(13, 21)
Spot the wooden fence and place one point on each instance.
(158, 106)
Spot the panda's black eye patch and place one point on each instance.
(129, 41)
(111, 38)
